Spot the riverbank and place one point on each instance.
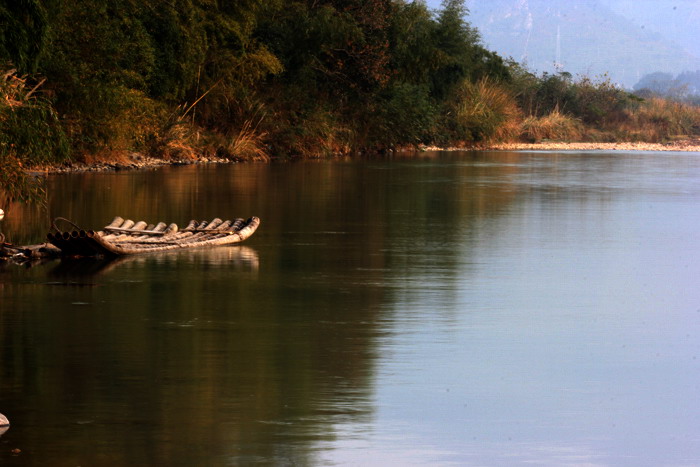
(138, 161)
(134, 162)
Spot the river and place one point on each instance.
(449, 308)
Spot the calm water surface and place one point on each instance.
(471, 309)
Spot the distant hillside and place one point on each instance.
(676, 20)
(684, 86)
(579, 36)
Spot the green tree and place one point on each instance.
(459, 53)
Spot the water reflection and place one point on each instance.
(237, 258)
(455, 309)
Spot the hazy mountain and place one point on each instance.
(593, 37)
(677, 20)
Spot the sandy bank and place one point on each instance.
(690, 145)
(684, 145)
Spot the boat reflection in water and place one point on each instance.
(238, 258)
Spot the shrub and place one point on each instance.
(118, 120)
(30, 134)
(593, 101)
(599, 102)
(29, 126)
(15, 183)
(404, 115)
(324, 134)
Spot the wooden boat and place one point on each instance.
(126, 237)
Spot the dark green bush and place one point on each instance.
(406, 115)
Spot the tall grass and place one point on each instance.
(181, 138)
(178, 139)
(655, 120)
(248, 143)
(555, 126)
(484, 111)
(660, 119)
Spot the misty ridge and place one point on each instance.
(625, 40)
